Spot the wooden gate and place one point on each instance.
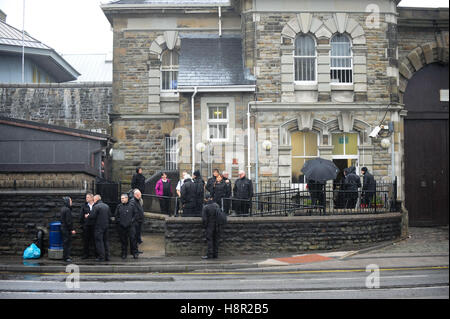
(426, 147)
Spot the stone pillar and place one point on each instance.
(287, 74)
(284, 163)
(323, 70)
(360, 73)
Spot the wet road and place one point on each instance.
(405, 282)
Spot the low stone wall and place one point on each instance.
(46, 180)
(22, 212)
(185, 236)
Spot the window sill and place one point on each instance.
(218, 141)
(305, 87)
(342, 86)
(169, 96)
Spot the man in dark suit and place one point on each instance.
(101, 214)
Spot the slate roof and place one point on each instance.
(173, 2)
(211, 62)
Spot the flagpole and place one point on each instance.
(23, 43)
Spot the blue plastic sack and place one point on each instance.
(31, 252)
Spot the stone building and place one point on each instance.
(264, 86)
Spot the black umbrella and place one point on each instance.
(319, 169)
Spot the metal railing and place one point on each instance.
(293, 200)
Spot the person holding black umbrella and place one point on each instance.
(317, 191)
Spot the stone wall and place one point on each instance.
(76, 105)
(46, 180)
(23, 211)
(185, 236)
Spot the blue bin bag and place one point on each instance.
(32, 252)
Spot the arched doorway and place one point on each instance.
(426, 146)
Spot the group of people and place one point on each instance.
(95, 218)
(193, 190)
(348, 192)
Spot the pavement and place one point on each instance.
(425, 247)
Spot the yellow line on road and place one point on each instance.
(241, 273)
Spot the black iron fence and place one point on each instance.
(294, 200)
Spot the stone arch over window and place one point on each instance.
(432, 52)
(339, 23)
(322, 31)
(169, 41)
(305, 122)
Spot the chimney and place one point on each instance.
(2, 16)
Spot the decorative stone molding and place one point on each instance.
(427, 53)
(306, 23)
(170, 40)
(339, 23)
(346, 121)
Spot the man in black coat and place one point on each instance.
(125, 219)
(369, 187)
(199, 192)
(87, 225)
(221, 189)
(212, 180)
(243, 191)
(351, 184)
(67, 229)
(317, 192)
(227, 202)
(212, 228)
(138, 180)
(188, 198)
(101, 214)
(135, 202)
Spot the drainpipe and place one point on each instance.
(193, 127)
(220, 21)
(249, 165)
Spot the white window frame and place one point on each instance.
(342, 57)
(218, 121)
(345, 156)
(304, 57)
(172, 68)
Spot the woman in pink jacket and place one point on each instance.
(164, 192)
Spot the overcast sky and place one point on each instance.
(79, 26)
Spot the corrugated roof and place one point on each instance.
(211, 62)
(45, 56)
(11, 36)
(93, 67)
